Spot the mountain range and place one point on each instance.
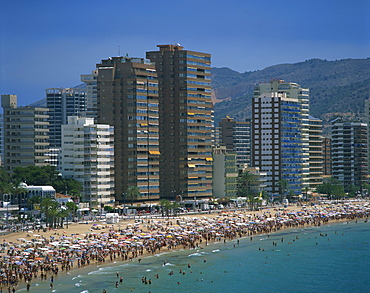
(337, 88)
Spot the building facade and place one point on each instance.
(236, 136)
(280, 135)
(326, 146)
(316, 156)
(87, 155)
(349, 152)
(186, 121)
(225, 173)
(26, 134)
(127, 91)
(91, 93)
(63, 102)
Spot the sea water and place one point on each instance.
(330, 258)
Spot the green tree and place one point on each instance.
(72, 207)
(132, 193)
(248, 187)
(283, 188)
(333, 189)
(47, 175)
(165, 205)
(175, 208)
(49, 207)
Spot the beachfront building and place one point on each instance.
(87, 156)
(26, 134)
(63, 102)
(22, 200)
(367, 121)
(349, 152)
(185, 121)
(236, 136)
(127, 91)
(280, 135)
(316, 160)
(225, 173)
(326, 147)
(1, 140)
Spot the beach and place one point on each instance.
(36, 256)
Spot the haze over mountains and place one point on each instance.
(337, 88)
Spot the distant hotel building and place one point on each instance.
(127, 91)
(349, 152)
(186, 121)
(91, 93)
(326, 145)
(316, 159)
(87, 156)
(225, 173)
(280, 134)
(236, 136)
(26, 134)
(63, 102)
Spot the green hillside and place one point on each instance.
(336, 87)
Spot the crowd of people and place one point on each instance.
(37, 256)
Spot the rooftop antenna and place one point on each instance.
(119, 50)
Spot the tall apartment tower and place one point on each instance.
(127, 91)
(349, 152)
(1, 140)
(326, 146)
(280, 134)
(26, 134)
(316, 156)
(367, 121)
(186, 121)
(63, 102)
(87, 155)
(236, 136)
(90, 81)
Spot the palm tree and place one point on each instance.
(165, 205)
(49, 207)
(283, 188)
(132, 193)
(247, 182)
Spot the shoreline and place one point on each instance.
(76, 273)
(288, 220)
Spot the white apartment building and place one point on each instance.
(87, 155)
(280, 134)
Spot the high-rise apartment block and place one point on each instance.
(26, 134)
(63, 102)
(367, 121)
(185, 120)
(349, 152)
(280, 134)
(236, 136)
(326, 146)
(316, 159)
(91, 93)
(127, 91)
(87, 156)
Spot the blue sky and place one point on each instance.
(47, 44)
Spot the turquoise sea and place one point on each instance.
(330, 258)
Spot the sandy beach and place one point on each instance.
(26, 256)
